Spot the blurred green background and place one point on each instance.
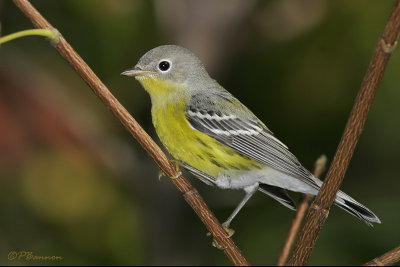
(75, 184)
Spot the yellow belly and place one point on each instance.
(183, 142)
(195, 148)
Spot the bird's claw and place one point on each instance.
(228, 230)
(177, 167)
(215, 244)
(161, 174)
(177, 175)
(229, 233)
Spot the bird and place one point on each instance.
(214, 136)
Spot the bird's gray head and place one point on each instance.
(170, 63)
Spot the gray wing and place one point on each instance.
(247, 136)
(205, 178)
(278, 194)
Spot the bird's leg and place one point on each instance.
(250, 190)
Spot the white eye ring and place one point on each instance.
(164, 65)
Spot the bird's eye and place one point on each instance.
(164, 65)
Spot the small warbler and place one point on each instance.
(214, 136)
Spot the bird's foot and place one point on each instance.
(228, 230)
(229, 233)
(215, 244)
(177, 164)
(177, 167)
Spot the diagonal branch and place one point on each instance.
(189, 192)
(319, 168)
(320, 208)
(386, 259)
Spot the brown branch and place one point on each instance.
(320, 208)
(319, 168)
(389, 258)
(189, 192)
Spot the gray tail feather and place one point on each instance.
(353, 207)
(358, 210)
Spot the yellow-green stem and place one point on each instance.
(53, 35)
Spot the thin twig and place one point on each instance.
(319, 168)
(389, 258)
(320, 208)
(51, 34)
(189, 192)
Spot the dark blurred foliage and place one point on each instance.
(73, 183)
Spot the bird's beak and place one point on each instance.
(137, 71)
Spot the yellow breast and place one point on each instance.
(185, 143)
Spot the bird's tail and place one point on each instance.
(347, 203)
(353, 207)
